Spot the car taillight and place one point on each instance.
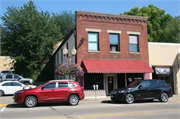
(170, 87)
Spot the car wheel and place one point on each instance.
(73, 100)
(30, 101)
(164, 97)
(1, 93)
(129, 98)
(26, 83)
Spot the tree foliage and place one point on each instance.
(161, 27)
(66, 21)
(30, 38)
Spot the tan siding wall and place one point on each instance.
(5, 63)
(165, 54)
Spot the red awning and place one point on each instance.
(107, 66)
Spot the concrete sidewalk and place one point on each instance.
(107, 98)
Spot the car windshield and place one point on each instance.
(134, 84)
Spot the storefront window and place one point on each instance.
(164, 73)
(134, 77)
(121, 80)
(93, 79)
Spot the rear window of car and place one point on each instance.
(62, 85)
(163, 83)
(72, 85)
(154, 83)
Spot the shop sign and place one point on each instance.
(162, 70)
(138, 78)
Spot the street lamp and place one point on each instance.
(73, 52)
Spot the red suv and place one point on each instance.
(52, 91)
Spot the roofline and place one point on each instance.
(160, 43)
(64, 41)
(110, 14)
(4, 56)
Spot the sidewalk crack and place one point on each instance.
(61, 113)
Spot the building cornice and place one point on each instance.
(110, 17)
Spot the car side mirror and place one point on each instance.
(140, 86)
(43, 87)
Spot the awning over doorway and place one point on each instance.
(107, 66)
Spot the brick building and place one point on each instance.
(112, 49)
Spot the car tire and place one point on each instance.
(129, 98)
(73, 100)
(1, 93)
(30, 101)
(26, 83)
(164, 97)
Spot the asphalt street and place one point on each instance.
(102, 108)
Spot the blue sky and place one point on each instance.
(103, 6)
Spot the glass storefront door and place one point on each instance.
(110, 83)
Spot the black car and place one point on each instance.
(143, 90)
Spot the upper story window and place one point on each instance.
(114, 42)
(93, 41)
(133, 43)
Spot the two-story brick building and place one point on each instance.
(112, 49)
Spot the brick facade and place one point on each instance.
(105, 22)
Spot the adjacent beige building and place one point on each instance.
(6, 63)
(163, 58)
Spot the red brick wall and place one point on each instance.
(111, 22)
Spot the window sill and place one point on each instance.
(92, 51)
(134, 52)
(117, 52)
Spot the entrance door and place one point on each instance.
(110, 83)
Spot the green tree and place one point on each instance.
(3, 33)
(157, 22)
(169, 31)
(66, 21)
(31, 37)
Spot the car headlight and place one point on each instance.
(121, 91)
(20, 91)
